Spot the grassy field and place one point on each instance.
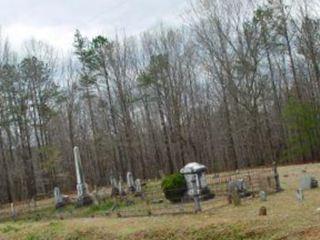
(286, 219)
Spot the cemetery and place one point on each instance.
(261, 197)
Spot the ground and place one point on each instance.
(286, 219)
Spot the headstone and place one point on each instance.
(196, 172)
(121, 190)
(58, 198)
(130, 182)
(13, 212)
(263, 196)
(83, 197)
(236, 198)
(300, 195)
(114, 187)
(308, 182)
(263, 211)
(138, 186)
(276, 177)
(240, 186)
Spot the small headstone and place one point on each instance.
(276, 177)
(300, 195)
(58, 198)
(121, 190)
(130, 182)
(114, 187)
(263, 196)
(239, 186)
(138, 187)
(236, 199)
(308, 182)
(13, 212)
(263, 211)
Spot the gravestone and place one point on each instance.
(308, 182)
(235, 197)
(114, 187)
(195, 173)
(263, 211)
(130, 182)
(83, 197)
(238, 185)
(13, 212)
(263, 196)
(300, 195)
(138, 186)
(121, 190)
(276, 176)
(58, 198)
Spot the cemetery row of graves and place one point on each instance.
(190, 191)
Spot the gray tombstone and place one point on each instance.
(121, 190)
(308, 182)
(58, 198)
(239, 186)
(130, 182)
(138, 186)
(300, 195)
(13, 212)
(114, 187)
(263, 196)
(83, 197)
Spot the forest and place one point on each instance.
(235, 86)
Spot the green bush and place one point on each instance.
(174, 187)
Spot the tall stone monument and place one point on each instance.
(83, 198)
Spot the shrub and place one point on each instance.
(174, 187)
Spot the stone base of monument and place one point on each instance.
(85, 200)
(60, 205)
(65, 201)
(205, 195)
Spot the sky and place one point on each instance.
(55, 21)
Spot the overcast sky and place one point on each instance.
(55, 21)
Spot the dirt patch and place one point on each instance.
(222, 232)
(312, 233)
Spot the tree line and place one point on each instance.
(237, 85)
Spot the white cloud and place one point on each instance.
(55, 21)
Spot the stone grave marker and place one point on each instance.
(83, 197)
(138, 187)
(263, 211)
(300, 195)
(308, 182)
(58, 198)
(130, 182)
(121, 190)
(263, 196)
(194, 174)
(240, 186)
(13, 212)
